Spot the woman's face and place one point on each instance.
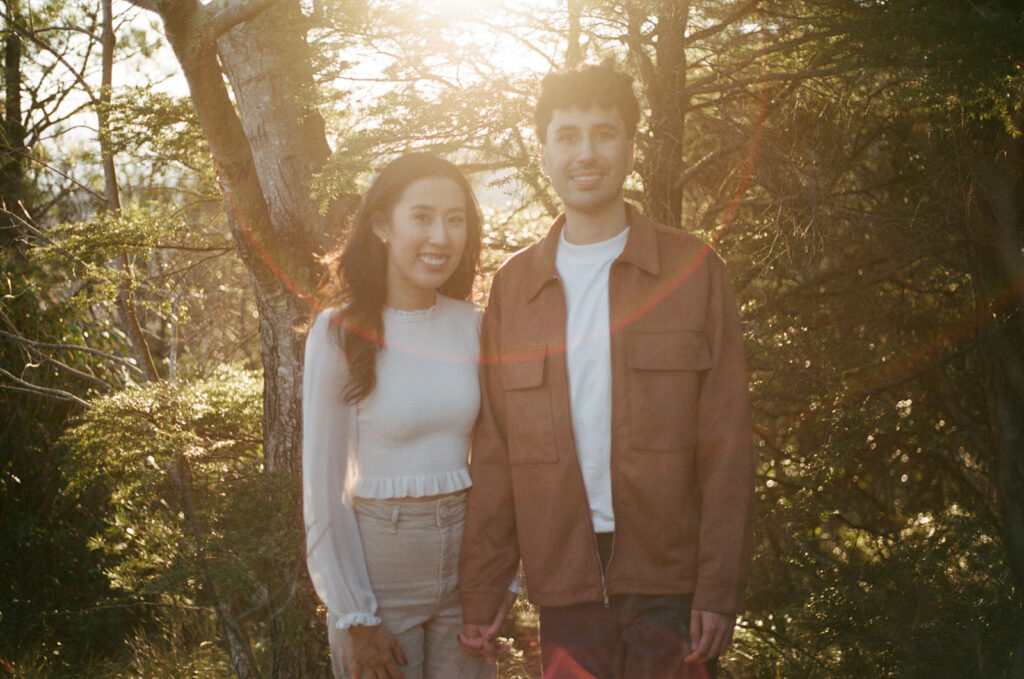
(425, 237)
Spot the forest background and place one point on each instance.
(858, 163)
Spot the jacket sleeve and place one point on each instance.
(725, 457)
(490, 551)
(334, 553)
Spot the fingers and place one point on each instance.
(696, 631)
(710, 634)
(481, 643)
(391, 671)
(473, 645)
(500, 649)
(378, 669)
(397, 654)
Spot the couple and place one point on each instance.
(605, 405)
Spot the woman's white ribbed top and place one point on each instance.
(409, 438)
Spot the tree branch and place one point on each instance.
(72, 347)
(229, 13)
(59, 394)
(738, 14)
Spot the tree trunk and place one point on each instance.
(666, 92)
(573, 49)
(995, 220)
(12, 150)
(274, 90)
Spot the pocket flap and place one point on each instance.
(676, 350)
(525, 373)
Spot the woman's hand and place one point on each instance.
(375, 653)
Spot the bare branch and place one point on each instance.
(59, 394)
(74, 372)
(742, 83)
(740, 12)
(73, 347)
(45, 46)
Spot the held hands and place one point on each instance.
(375, 653)
(710, 634)
(481, 641)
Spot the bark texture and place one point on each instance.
(666, 92)
(12, 147)
(274, 90)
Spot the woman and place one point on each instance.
(390, 394)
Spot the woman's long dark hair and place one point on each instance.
(360, 271)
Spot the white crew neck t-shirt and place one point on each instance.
(584, 272)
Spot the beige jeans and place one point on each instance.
(412, 555)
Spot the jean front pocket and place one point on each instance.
(665, 370)
(529, 419)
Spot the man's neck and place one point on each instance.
(583, 228)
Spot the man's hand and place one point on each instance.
(710, 634)
(375, 653)
(481, 641)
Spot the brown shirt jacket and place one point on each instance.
(682, 460)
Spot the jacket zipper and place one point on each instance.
(600, 564)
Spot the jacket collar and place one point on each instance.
(641, 250)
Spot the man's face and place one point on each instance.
(587, 155)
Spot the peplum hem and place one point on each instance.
(390, 487)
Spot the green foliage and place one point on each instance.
(164, 139)
(929, 598)
(52, 592)
(194, 520)
(953, 58)
(84, 251)
(880, 551)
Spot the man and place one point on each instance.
(613, 453)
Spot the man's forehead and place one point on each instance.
(579, 116)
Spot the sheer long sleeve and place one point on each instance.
(334, 553)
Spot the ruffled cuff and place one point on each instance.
(353, 619)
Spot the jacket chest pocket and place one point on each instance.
(665, 370)
(529, 418)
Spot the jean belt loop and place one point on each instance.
(395, 511)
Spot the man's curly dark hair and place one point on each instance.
(583, 87)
